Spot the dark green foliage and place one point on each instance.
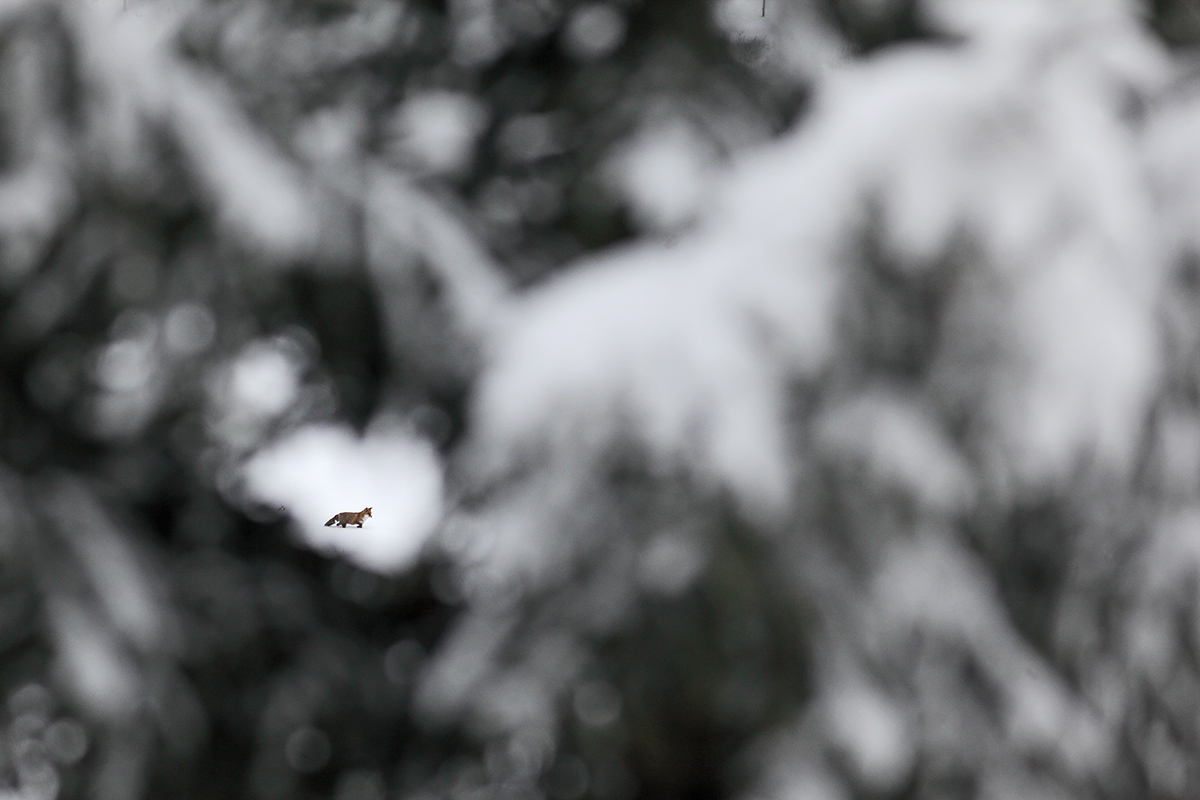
(934, 538)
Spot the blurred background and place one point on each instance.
(784, 400)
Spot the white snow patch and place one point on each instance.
(436, 131)
(872, 732)
(322, 470)
(664, 175)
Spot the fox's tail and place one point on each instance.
(332, 520)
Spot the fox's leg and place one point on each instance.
(360, 523)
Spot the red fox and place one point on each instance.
(349, 518)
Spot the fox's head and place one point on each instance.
(367, 512)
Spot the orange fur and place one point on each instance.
(349, 518)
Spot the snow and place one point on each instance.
(435, 131)
(899, 443)
(258, 194)
(689, 346)
(1004, 175)
(873, 733)
(263, 381)
(664, 175)
(322, 470)
(644, 344)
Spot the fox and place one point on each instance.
(349, 518)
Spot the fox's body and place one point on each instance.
(349, 518)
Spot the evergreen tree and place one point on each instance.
(753, 400)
